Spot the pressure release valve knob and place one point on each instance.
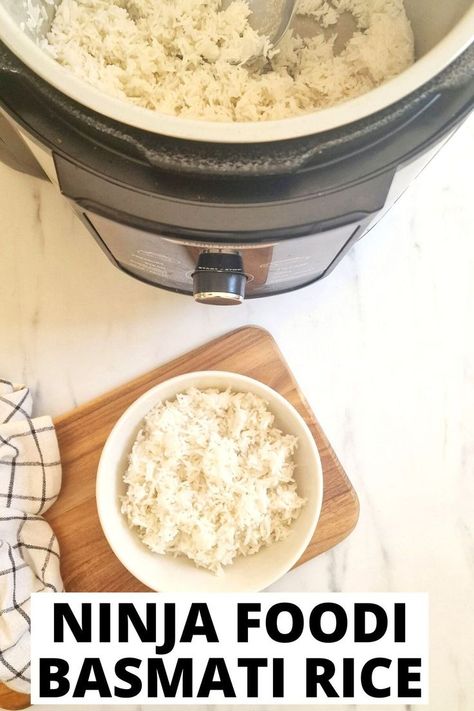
(219, 278)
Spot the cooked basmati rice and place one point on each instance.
(211, 478)
(187, 57)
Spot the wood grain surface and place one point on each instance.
(82, 434)
(87, 562)
(12, 701)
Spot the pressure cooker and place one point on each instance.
(228, 211)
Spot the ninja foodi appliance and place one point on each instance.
(223, 210)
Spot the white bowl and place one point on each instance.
(169, 574)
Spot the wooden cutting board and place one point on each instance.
(82, 433)
(87, 562)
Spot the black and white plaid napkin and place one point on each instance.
(30, 480)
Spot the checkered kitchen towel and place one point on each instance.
(30, 480)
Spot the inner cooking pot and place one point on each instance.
(442, 31)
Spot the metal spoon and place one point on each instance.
(270, 18)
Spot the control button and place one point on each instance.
(219, 279)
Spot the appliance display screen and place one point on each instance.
(271, 267)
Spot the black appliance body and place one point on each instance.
(226, 220)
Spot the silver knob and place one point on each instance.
(219, 279)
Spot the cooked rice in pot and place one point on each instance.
(187, 57)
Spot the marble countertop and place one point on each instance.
(383, 349)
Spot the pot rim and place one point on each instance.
(424, 69)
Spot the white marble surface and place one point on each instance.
(383, 349)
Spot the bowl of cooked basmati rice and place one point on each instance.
(210, 481)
